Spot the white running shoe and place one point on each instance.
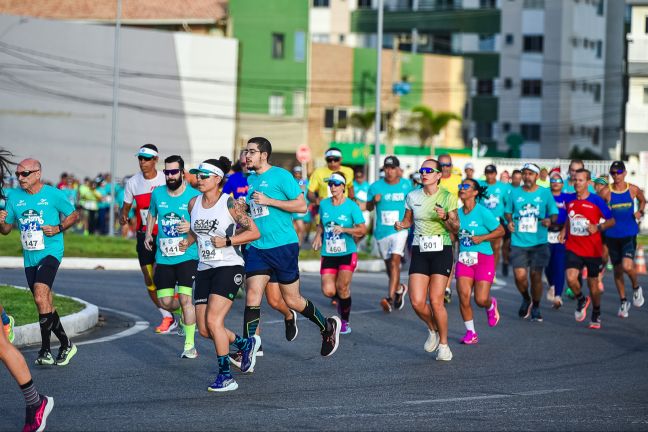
(444, 353)
(432, 342)
(189, 353)
(551, 294)
(557, 302)
(624, 309)
(637, 297)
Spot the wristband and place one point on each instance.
(228, 241)
(447, 216)
(60, 228)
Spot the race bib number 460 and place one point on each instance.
(171, 246)
(336, 246)
(208, 252)
(258, 210)
(32, 240)
(528, 224)
(431, 243)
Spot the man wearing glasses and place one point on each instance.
(318, 187)
(37, 208)
(173, 267)
(621, 239)
(138, 190)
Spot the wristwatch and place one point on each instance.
(228, 241)
(60, 228)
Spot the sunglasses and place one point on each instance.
(333, 159)
(426, 170)
(205, 176)
(616, 172)
(334, 183)
(170, 172)
(555, 181)
(445, 165)
(143, 158)
(464, 186)
(25, 173)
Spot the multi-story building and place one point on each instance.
(636, 121)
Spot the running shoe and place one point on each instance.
(9, 329)
(536, 316)
(624, 309)
(235, 358)
(345, 328)
(570, 294)
(36, 417)
(167, 325)
(470, 338)
(525, 309)
(447, 298)
(260, 352)
(223, 383)
(581, 308)
(595, 323)
(399, 301)
(65, 355)
(601, 286)
(551, 293)
(387, 304)
(248, 359)
(444, 353)
(44, 358)
(189, 352)
(180, 331)
(557, 303)
(637, 297)
(432, 342)
(331, 336)
(493, 314)
(291, 327)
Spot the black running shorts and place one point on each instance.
(429, 263)
(181, 274)
(222, 281)
(43, 273)
(593, 264)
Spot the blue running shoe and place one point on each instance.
(249, 355)
(223, 383)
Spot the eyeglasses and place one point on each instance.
(143, 158)
(427, 170)
(464, 186)
(445, 165)
(205, 176)
(251, 152)
(333, 159)
(334, 183)
(171, 172)
(25, 173)
(616, 172)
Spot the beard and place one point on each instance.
(174, 184)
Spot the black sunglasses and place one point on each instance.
(445, 165)
(333, 159)
(204, 176)
(142, 158)
(25, 173)
(169, 172)
(616, 172)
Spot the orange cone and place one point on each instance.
(640, 261)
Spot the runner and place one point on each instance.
(555, 270)
(621, 239)
(138, 191)
(273, 196)
(214, 220)
(495, 200)
(340, 220)
(387, 197)
(516, 179)
(433, 212)
(236, 183)
(529, 211)
(302, 221)
(600, 183)
(469, 170)
(37, 406)
(478, 227)
(37, 208)
(173, 267)
(582, 237)
(317, 186)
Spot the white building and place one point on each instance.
(637, 105)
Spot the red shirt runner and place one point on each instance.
(581, 213)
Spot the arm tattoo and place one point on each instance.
(241, 218)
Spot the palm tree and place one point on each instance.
(427, 124)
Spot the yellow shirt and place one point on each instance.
(317, 182)
(451, 184)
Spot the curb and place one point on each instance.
(74, 324)
(73, 263)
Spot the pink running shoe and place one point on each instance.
(470, 338)
(36, 418)
(493, 315)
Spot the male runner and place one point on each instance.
(318, 186)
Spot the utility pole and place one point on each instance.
(115, 120)
(378, 91)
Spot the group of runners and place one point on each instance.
(199, 244)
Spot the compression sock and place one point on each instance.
(313, 314)
(345, 308)
(57, 329)
(251, 318)
(536, 304)
(45, 322)
(470, 325)
(224, 365)
(31, 395)
(190, 334)
(241, 343)
(526, 296)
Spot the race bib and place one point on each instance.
(258, 210)
(528, 224)
(552, 237)
(144, 215)
(389, 217)
(431, 243)
(32, 240)
(208, 252)
(362, 196)
(170, 247)
(336, 246)
(578, 227)
(468, 258)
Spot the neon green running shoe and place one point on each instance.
(9, 329)
(569, 293)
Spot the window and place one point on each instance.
(533, 43)
(335, 118)
(488, 4)
(574, 85)
(329, 118)
(487, 42)
(320, 3)
(320, 37)
(530, 132)
(276, 105)
(484, 131)
(342, 118)
(341, 38)
(508, 83)
(600, 7)
(277, 45)
(599, 49)
(364, 4)
(533, 4)
(645, 96)
(509, 39)
(300, 46)
(646, 26)
(506, 127)
(484, 87)
(597, 92)
(298, 104)
(532, 88)
(595, 135)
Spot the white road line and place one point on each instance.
(495, 396)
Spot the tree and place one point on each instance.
(427, 124)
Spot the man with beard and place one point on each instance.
(173, 266)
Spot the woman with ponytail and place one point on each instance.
(476, 264)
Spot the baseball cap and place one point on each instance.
(469, 165)
(490, 169)
(602, 180)
(391, 161)
(148, 151)
(618, 165)
(531, 167)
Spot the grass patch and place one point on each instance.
(20, 304)
(77, 245)
(642, 240)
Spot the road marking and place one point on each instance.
(495, 396)
(140, 325)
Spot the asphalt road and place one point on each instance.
(555, 375)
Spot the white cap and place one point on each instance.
(531, 167)
(469, 165)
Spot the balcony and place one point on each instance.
(638, 55)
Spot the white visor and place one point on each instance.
(147, 152)
(206, 168)
(337, 178)
(333, 153)
(531, 167)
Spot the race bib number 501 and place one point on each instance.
(431, 243)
